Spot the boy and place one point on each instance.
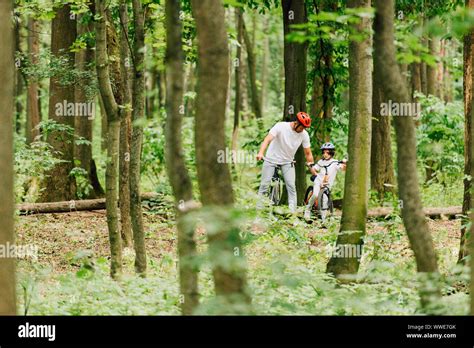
(325, 170)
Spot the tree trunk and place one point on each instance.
(113, 135)
(468, 99)
(356, 186)
(394, 88)
(125, 130)
(256, 107)
(33, 116)
(59, 185)
(138, 103)
(83, 124)
(382, 177)
(431, 71)
(294, 12)
(19, 79)
(266, 55)
(7, 87)
(215, 185)
(238, 80)
(177, 172)
(415, 79)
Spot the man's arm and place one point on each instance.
(268, 139)
(308, 154)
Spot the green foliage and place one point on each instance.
(83, 186)
(49, 65)
(31, 163)
(440, 141)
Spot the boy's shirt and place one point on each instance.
(332, 167)
(286, 141)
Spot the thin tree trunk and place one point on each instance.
(215, 185)
(125, 130)
(294, 12)
(256, 107)
(322, 96)
(175, 163)
(33, 116)
(415, 79)
(382, 176)
(19, 79)
(7, 87)
(138, 102)
(468, 57)
(431, 71)
(113, 136)
(103, 124)
(412, 211)
(59, 185)
(266, 55)
(356, 186)
(83, 124)
(238, 80)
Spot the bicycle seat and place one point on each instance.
(313, 177)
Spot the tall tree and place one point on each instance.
(59, 185)
(295, 55)
(138, 105)
(395, 89)
(7, 87)
(356, 186)
(113, 135)
(125, 129)
(238, 78)
(33, 116)
(431, 70)
(323, 89)
(19, 78)
(382, 178)
(215, 183)
(83, 124)
(256, 106)
(468, 72)
(175, 164)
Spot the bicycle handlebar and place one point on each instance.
(278, 164)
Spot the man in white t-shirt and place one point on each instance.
(285, 138)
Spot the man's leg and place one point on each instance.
(268, 170)
(314, 197)
(288, 171)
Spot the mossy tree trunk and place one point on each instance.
(7, 88)
(175, 164)
(215, 185)
(395, 89)
(113, 135)
(356, 186)
(295, 57)
(468, 96)
(59, 185)
(138, 105)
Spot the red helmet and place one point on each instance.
(304, 119)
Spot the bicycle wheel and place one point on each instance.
(325, 205)
(307, 197)
(275, 193)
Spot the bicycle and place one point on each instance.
(323, 204)
(276, 185)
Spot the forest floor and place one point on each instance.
(286, 268)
